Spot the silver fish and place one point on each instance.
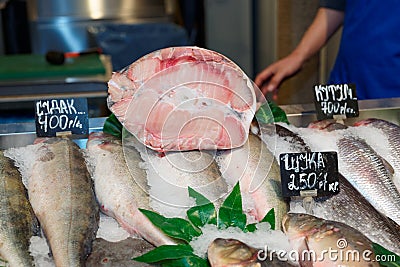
(369, 175)
(17, 220)
(351, 208)
(257, 171)
(170, 174)
(60, 191)
(313, 237)
(121, 188)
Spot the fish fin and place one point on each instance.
(389, 168)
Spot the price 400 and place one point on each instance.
(306, 181)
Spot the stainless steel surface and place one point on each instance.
(62, 25)
(389, 109)
(22, 134)
(45, 10)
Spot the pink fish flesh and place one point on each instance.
(184, 98)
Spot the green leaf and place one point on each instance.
(250, 228)
(166, 252)
(388, 258)
(202, 214)
(270, 218)
(230, 213)
(189, 261)
(269, 112)
(174, 227)
(113, 126)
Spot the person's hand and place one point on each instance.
(271, 77)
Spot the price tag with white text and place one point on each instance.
(55, 116)
(302, 173)
(336, 101)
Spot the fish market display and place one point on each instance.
(233, 253)
(17, 220)
(170, 174)
(259, 175)
(184, 98)
(370, 176)
(313, 237)
(122, 190)
(349, 206)
(61, 194)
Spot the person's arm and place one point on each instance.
(325, 23)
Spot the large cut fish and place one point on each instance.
(184, 98)
(349, 206)
(257, 171)
(61, 193)
(17, 220)
(326, 243)
(121, 188)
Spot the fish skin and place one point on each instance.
(234, 253)
(370, 176)
(258, 172)
(174, 172)
(351, 208)
(392, 131)
(307, 232)
(122, 190)
(60, 191)
(17, 220)
(327, 125)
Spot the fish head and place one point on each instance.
(365, 122)
(299, 224)
(326, 125)
(231, 253)
(103, 141)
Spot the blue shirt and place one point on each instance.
(369, 52)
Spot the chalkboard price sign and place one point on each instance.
(55, 116)
(309, 171)
(335, 100)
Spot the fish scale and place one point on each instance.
(369, 176)
(61, 194)
(349, 206)
(17, 220)
(392, 131)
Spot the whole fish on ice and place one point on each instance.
(61, 193)
(392, 133)
(234, 253)
(17, 220)
(184, 98)
(369, 174)
(121, 188)
(257, 171)
(313, 237)
(171, 173)
(349, 206)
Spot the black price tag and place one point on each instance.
(55, 116)
(306, 172)
(336, 101)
